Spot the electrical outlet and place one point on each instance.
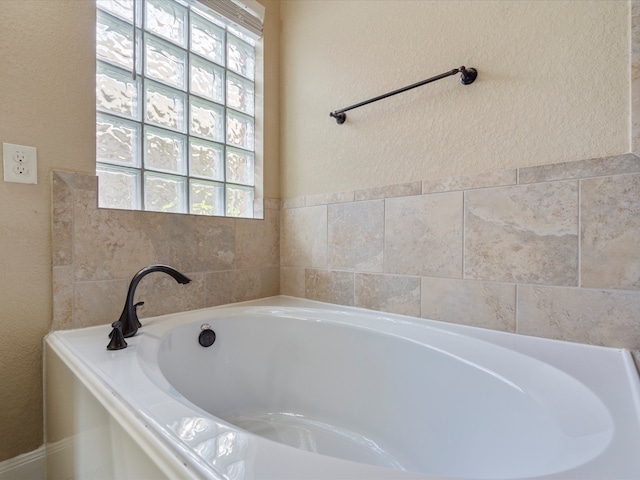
(20, 163)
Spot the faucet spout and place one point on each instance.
(129, 318)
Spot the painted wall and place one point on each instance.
(47, 100)
(553, 87)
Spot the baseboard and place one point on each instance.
(29, 466)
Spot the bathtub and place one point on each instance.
(296, 389)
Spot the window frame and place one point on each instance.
(197, 12)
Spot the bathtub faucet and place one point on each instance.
(128, 322)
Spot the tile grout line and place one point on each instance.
(464, 231)
(579, 263)
(73, 257)
(516, 317)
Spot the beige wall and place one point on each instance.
(553, 87)
(47, 100)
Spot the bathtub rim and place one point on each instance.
(529, 346)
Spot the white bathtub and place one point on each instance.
(299, 389)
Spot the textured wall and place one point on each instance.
(47, 98)
(553, 87)
(550, 251)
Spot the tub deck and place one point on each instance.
(440, 400)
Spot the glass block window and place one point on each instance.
(175, 102)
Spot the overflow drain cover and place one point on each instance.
(207, 337)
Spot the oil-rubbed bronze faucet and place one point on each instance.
(128, 324)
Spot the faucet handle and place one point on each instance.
(117, 341)
(135, 313)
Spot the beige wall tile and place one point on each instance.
(295, 202)
(102, 302)
(523, 234)
(635, 103)
(292, 281)
(98, 303)
(111, 244)
(63, 298)
(389, 191)
(388, 293)
(580, 315)
(610, 224)
(329, 286)
(635, 26)
(303, 237)
(258, 241)
(61, 222)
(329, 198)
(467, 182)
(161, 294)
(480, 304)
(241, 285)
(200, 243)
(423, 235)
(356, 236)
(271, 203)
(595, 167)
(78, 181)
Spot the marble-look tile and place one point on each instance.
(356, 236)
(271, 203)
(258, 241)
(101, 302)
(635, 103)
(292, 281)
(258, 209)
(329, 286)
(388, 293)
(294, 202)
(389, 191)
(610, 224)
(241, 285)
(479, 304)
(161, 294)
(423, 235)
(523, 234)
(111, 244)
(200, 243)
(62, 298)
(303, 237)
(580, 315)
(98, 303)
(78, 181)
(595, 167)
(329, 198)
(469, 182)
(635, 26)
(61, 221)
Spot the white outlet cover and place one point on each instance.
(20, 163)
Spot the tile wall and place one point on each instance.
(551, 251)
(96, 252)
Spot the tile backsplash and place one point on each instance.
(551, 251)
(97, 251)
